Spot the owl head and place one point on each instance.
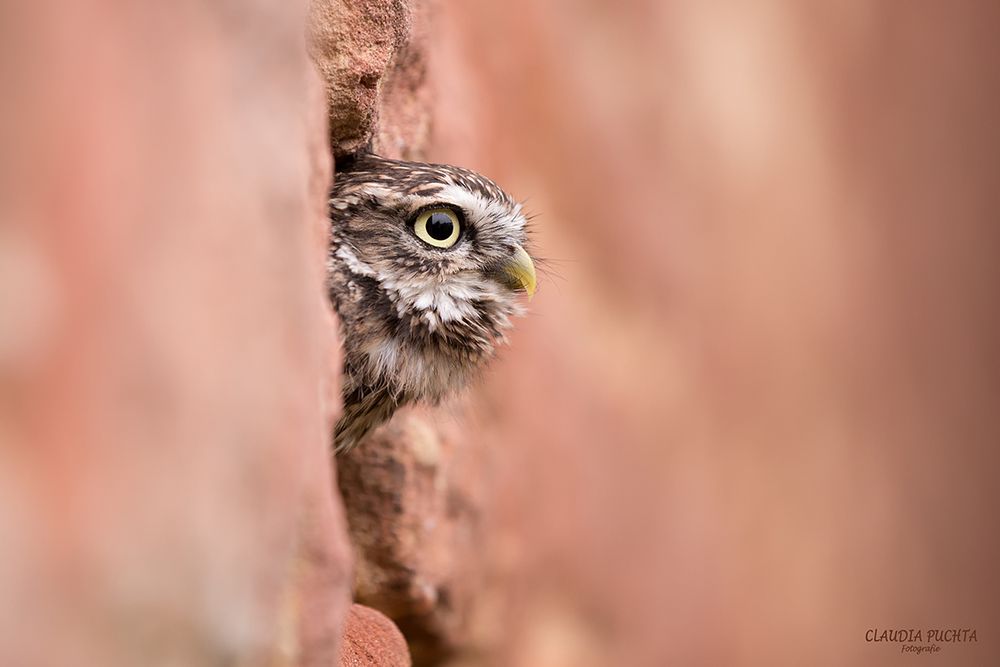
(426, 266)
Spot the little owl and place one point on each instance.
(425, 266)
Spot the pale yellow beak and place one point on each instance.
(521, 271)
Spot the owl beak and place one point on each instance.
(521, 271)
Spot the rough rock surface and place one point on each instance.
(372, 59)
(166, 348)
(414, 493)
(372, 640)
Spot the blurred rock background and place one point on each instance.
(168, 360)
(752, 414)
(755, 411)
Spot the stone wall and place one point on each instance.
(168, 361)
(753, 410)
(372, 55)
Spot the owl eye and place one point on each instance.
(438, 227)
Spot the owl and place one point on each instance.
(427, 264)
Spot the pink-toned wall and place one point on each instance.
(754, 411)
(168, 361)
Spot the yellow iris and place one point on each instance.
(438, 227)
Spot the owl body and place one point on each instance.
(426, 263)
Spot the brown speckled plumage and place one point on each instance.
(418, 320)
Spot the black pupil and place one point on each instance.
(440, 226)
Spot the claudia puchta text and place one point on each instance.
(915, 640)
